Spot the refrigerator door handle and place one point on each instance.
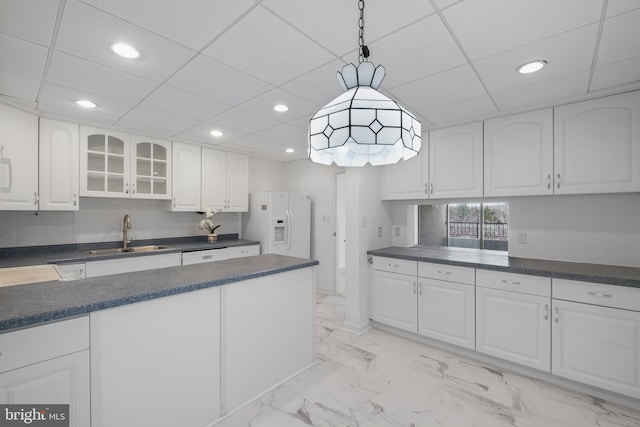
(289, 228)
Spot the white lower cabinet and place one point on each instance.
(157, 363)
(394, 290)
(208, 255)
(128, 265)
(446, 308)
(48, 364)
(243, 251)
(513, 317)
(599, 344)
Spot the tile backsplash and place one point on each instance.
(100, 220)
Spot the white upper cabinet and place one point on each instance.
(18, 160)
(59, 169)
(186, 178)
(407, 179)
(150, 168)
(518, 154)
(104, 163)
(597, 145)
(455, 162)
(225, 181)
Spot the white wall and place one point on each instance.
(600, 229)
(100, 220)
(319, 181)
(265, 175)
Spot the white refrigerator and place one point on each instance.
(281, 222)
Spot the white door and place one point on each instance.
(455, 161)
(18, 160)
(518, 154)
(186, 178)
(407, 179)
(105, 161)
(394, 300)
(237, 181)
(514, 326)
(597, 145)
(150, 168)
(214, 178)
(59, 165)
(62, 380)
(446, 312)
(299, 225)
(597, 345)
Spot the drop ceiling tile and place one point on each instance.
(278, 154)
(566, 53)
(616, 7)
(72, 72)
(209, 78)
(263, 105)
(285, 134)
(176, 101)
(470, 109)
(545, 93)
(442, 4)
(17, 86)
(171, 123)
(200, 133)
(419, 50)
(31, 20)
(22, 57)
(242, 120)
(194, 24)
(18, 103)
(266, 47)
(620, 73)
(620, 38)
(319, 86)
(55, 96)
(254, 142)
(488, 27)
(88, 33)
(333, 23)
(442, 89)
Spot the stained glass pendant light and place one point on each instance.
(362, 125)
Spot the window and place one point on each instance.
(465, 225)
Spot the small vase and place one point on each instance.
(212, 238)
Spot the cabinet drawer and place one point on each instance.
(40, 343)
(449, 273)
(597, 293)
(243, 251)
(522, 283)
(394, 265)
(210, 255)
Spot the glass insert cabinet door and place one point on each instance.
(150, 168)
(105, 161)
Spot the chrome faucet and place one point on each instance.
(126, 225)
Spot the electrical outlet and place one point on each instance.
(397, 231)
(379, 231)
(522, 238)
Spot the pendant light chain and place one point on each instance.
(363, 53)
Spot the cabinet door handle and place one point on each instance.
(414, 287)
(546, 312)
(174, 202)
(207, 257)
(75, 200)
(558, 181)
(556, 314)
(126, 188)
(393, 265)
(426, 188)
(431, 188)
(446, 273)
(600, 295)
(420, 288)
(549, 181)
(510, 282)
(133, 189)
(36, 199)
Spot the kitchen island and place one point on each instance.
(172, 346)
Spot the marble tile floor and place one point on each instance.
(378, 379)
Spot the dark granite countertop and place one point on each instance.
(32, 304)
(500, 261)
(76, 253)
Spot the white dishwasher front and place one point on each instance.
(208, 255)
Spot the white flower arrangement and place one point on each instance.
(206, 223)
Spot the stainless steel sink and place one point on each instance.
(132, 249)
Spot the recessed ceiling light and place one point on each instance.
(531, 67)
(216, 133)
(85, 103)
(125, 50)
(281, 108)
(290, 150)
